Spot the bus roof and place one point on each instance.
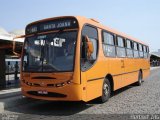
(84, 20)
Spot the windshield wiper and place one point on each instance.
(51, 66)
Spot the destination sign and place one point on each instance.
(58, 24)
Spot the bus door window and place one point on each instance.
(92, 34)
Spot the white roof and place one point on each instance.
(8, 36)
(3, 31)
(18, 32)
(155, 54)
(5, 35)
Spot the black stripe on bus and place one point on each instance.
(147, 69)
(115, 75)
(95, 79)
(125, 73)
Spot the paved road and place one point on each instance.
(129, 100)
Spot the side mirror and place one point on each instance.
(90, 48)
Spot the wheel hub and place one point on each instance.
(105, 89)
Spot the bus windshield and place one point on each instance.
(50, 52)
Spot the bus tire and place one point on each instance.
(106, 91)
(139, 83)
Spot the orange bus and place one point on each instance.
(72, 58)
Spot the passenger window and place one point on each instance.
(136, 53)
(140, 47)
(120, 42)
(92, 34)
(141, 51)
(129, 46)
(108, 44)
(145, 51)
(121, 52)
(135, 46)
(129, 49)
(108, 38)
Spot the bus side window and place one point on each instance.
(129, 49)
(92, 34)
(141, 51)
(135, 47)
(121, 52)
(108, 44)
(147, 52)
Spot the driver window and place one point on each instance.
(91, 32)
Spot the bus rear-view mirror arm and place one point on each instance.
(14, 45)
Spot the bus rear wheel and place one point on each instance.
(139, 83)
(106, 91)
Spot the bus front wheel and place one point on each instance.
(106, 91)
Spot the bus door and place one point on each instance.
(91, 76)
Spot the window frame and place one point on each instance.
(148, 51)
(124, 43)
(104, 31)
(145, 51)
(81, 34)
(134, 50)
(131, 45)
(114, 40)
(139, 44)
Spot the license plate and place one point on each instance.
(42, 92)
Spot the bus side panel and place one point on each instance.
(131, 78)
(94, 89)
(117, 82)
(131, 72)
(116, 70)
(146, 69)
(84, 84)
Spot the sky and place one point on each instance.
(137, 18)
